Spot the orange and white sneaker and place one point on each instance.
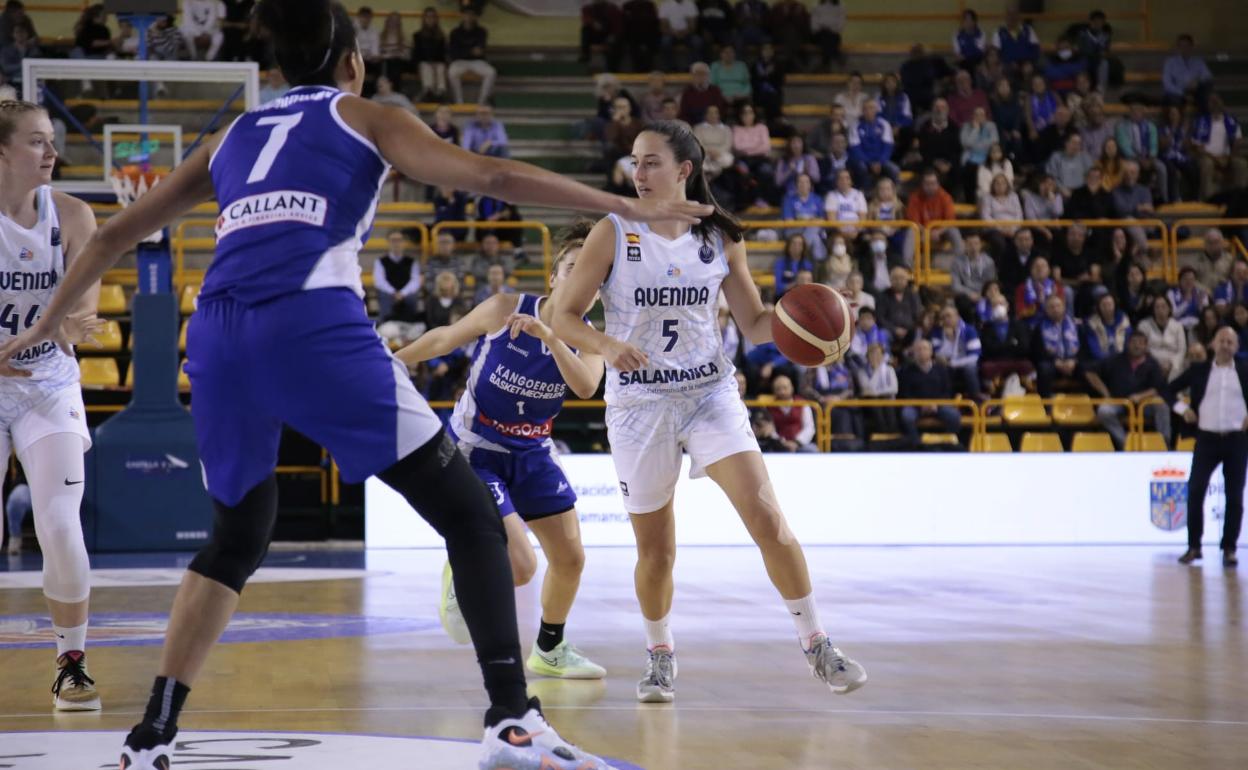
(73, 689)
(530, 743)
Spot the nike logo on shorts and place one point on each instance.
(69, 483)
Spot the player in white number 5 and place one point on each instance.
(670, 387)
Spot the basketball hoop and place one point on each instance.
(132, 182)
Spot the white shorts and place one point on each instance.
(647, 439)
(61, 412)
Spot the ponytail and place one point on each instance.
(309, 38)
(686, 147)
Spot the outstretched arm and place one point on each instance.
(413, 148)
(485, 318)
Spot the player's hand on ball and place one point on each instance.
(518, 324)
(81, 330)
(625, 357)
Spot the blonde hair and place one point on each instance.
(11, 111)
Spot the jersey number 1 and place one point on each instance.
(282, 126)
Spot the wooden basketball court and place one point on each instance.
(1002, 658)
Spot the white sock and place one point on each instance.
(70, 639)
(805, 618)
(659, 633)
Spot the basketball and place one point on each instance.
(812, 325)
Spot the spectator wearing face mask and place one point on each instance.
(839, 265)
(878, 262)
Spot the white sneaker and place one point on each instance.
(158, 758)
(563, 662)
(448, 610)
(829, 665)
(659, 683)
(530, 743)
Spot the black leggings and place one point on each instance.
(437, 481)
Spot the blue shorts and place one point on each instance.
(311, 361)
(531, 483)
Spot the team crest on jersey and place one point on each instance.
(673, 271)
(25, 255)
(634, 246)
(73, 413)
(706, 254)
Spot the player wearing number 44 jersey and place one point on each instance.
(519, 377)
(42, 419)
(281, 337)
(670, 388)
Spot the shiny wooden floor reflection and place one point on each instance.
(1001, 658)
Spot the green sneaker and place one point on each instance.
(563, 662)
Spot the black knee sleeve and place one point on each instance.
(240, 537)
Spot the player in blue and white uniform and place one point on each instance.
(281, 337)
(519, 377)
(671, 390)
(42, 419)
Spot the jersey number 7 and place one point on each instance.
(282, 126)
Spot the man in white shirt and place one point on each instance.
(1220, 413)
(397, 280)
(678, 20)
(201, 26)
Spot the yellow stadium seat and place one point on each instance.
(1073, 410)
(1024, 412)
(939, 439)
(182, 336)
(992, 442)
(1146, 442)
(1041, 442)
(112, 300)
(184, 382)
(1185, 444)
(109, 339)
(99, 373)
(1092, 442)
(885, 436)
(190, 293)
(125, 380)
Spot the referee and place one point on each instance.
(1220, 413)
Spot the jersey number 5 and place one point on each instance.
(670, 334)
(282, 126)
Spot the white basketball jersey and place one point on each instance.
(32, 265)
(662, 296)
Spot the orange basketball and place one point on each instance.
(812, 325)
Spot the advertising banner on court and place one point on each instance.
(893, 499)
